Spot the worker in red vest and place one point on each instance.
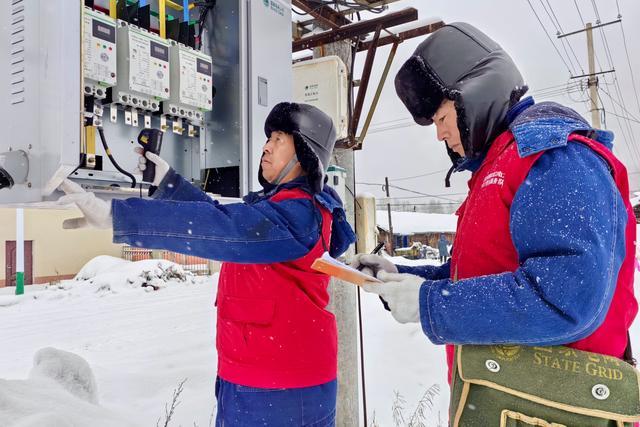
(544, 249)
(277, 343)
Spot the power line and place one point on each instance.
(377, 184)
(628, 140)
(626, 50)
(550, 87)
(595, 8)
(554, 91)
(625, 117)
(579, 13)
(420, 193)
(408, 190)
(631, 133)
(635, 119)
(625, 139)
(418, 176)
(549, 37)
(552, 15)
(627, 132)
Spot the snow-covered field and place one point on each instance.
(139, 344)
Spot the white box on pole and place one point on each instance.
(323, 82)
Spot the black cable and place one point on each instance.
(205, 6)
(113, 161)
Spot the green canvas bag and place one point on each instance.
(510, 385)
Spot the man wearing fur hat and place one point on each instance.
(543, 253)
(276, 342)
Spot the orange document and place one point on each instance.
(331, 266)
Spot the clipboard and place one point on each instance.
(331, 266)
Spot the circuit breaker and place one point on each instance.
(99, 53)
(191, 84)
(144, 69)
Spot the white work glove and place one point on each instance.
(97, 212)
(401, 292)
(372, 264)
(162, 167)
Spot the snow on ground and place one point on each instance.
(406, 261)
(139, 344)
(400, 359)
(61, 390)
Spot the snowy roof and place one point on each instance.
(407, 223)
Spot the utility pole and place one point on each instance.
(592, 81)
(391, 243)
(343, 294)
(344, 39)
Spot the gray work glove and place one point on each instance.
(162, 167)
(371, 264)
(401, 292)
(97, 212)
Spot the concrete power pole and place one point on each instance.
(343, 294)
(592, 81)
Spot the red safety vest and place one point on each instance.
(273, 328)
(483, 242)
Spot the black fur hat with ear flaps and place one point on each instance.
(314, 137)
(460, 63)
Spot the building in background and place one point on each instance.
(412, 227)
(51, 253)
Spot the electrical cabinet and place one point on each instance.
(81, 69)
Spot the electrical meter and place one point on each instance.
(143, 69)
(191, 86)
(99, 53)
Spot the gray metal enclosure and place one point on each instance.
(42, 103)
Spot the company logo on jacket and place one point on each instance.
(494, 178)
